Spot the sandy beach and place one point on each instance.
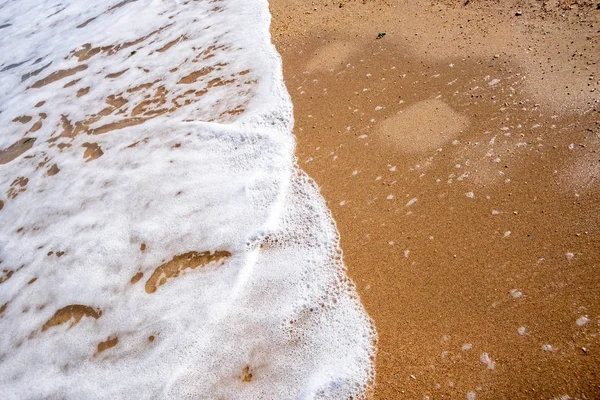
(404, 205)
(457, 145)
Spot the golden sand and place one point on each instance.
(459, 155)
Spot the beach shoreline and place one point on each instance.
(458, 154)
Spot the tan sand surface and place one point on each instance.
(460, 156)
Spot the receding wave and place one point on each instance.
(157, 239)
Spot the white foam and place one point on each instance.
(487, 360)
(547, 347)
(516, 293)
(411, 202)
(275, 319)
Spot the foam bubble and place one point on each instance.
(547, 347)
(487, 360)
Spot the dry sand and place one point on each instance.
(460, 156)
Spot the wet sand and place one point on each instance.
(460, 156)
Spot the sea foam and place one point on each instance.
(157, 239)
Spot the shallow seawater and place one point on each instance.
(157, 239)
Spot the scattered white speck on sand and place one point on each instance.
(406, 253)
(378, 178)
(355, 172)
(521, 331)
(485, 359)
(411, 202)
(470, 395)
(470, 195)
(506, 234)
(342, 203)
(467, 347)
(390, 197)
(495, 212)
(391, 242)
(582, 320)
(363, 136)
(378, 108)
(451, 65)
(570, 256)
(493, 82)
(571, 146)
(547, 347)
(392, 168)
(516, 293)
